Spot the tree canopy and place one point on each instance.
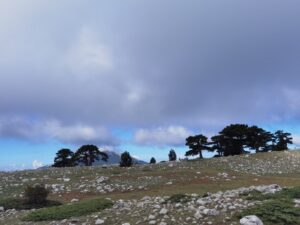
(172, 155)
(64, 158)
(126, 160)
(236, 139)
(88, 154)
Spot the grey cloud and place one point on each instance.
(45, 130)
(151, 64)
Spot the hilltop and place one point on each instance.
(207, 191)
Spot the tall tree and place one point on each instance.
(281, 140)
(197, 144)
(152, 160)
(234, 138)
(172, 155)
(126, 160)
(64, 158)
(88, 154)
(259, 139)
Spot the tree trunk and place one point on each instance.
(200, 154)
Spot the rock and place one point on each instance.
(74, 200)
(163, 211)
(251, 220)
(162, 223)
(1, 209)
(198, 215)
(99, 221)
(125, 223)
(152, 222)
(151, 217)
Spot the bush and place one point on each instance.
(36, 194)
(178, 198)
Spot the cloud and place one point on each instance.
(172, 135)
(296, 140)
(99, 66)
(36, 164)
(40, 130)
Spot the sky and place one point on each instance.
(141, 75)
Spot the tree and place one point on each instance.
(64, 158)
(172, 155)
(152, 160)
(126, 160)
(218, 144)
(234, 138)
(281, 140)
(88, 154)
(196, 144)
(259, 139)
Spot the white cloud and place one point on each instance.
(36, 164)
(162, 136)
(296, 140)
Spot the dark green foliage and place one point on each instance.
(64, 158)
(152, 160)
(88, 154)
(36, 194)
(276, 208)
(237, 139)
(271, 212)
(22, 204)
(259, 139)
(126, 160)
(196, 145)
(178, 198)
(172, 155)
(281, 140)
(70, 210)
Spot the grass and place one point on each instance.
(21, 204)
(276, 208)
(77, 209)
(176, 198)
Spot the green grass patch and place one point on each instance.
(277, 208)
(21, 204)
(176, 198)
(77, 209)
(289, 193)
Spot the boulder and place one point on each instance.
(251, 220)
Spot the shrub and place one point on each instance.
(178, 198)
(36, 194)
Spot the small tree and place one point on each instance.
(64, 158)
(152, 160)
(172, 155)
(88, 154)
(36, 194)
(126, 160)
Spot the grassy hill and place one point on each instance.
(204, 191)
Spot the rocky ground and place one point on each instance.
(209, 191)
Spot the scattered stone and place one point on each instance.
(251, 220)
(99, 221)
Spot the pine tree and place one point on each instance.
(126, 160)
